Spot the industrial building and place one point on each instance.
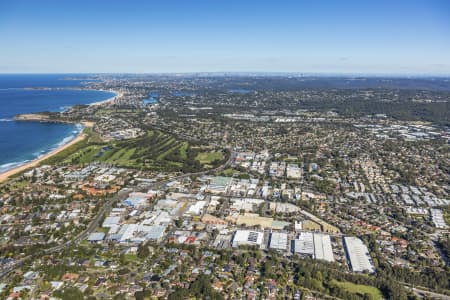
(358, 255)
(111, 221)
(247, 237)
(196, 208)
(315, 245)
(136, 201)
(219, 184)
(322, 247)
(135, 233)
(96, 237)
(246, 204)
(278, 241)
(155, 232)
(304, 244)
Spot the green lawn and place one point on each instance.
(360, 289)
(229, 172)
(155, 150)
(171, 145)
(74, 151)
(92, 137)
(131, 257)
(183, 150)
(208, 157)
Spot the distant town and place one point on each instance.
(237, 187)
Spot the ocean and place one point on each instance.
(21, 142)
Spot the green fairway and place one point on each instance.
(154, 150)
(183, 150)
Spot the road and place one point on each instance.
(422, 293)
(82, 235)
(105, 209)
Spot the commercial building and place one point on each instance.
(246, 204)
(322, 247)
(219, 184)
(196, 208)
(315, 245)
(155, 232)
(278, 241)
(136, 202)
(111, 221)
(358, 255)
(135, 233)
(304, 244)
(247, 237)
(96, 237)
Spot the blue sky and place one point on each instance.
(361, 36)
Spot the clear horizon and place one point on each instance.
(382, 38)
(245, 74)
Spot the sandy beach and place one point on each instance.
(110, 100)
(5, 175)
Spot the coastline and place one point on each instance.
(109, 100)
(35, 162)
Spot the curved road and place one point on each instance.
(121, 195)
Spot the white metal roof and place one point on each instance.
(358, 254)
(247, 237)
(304, 244)
(278, 240)
(322, 247)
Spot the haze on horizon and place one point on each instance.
(368, 37)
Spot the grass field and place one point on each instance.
(131, 258)
(155, 150)
(360, 289)
(229, 172)
(209, 157)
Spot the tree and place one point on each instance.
(201, 288)
(179, 222)
(268, 268)
(69, 293)
(143, 251)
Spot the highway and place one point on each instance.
(121, 195)
(104, 210)
(422, 292)
(82, 235)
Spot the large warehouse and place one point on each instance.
(278, 241)
(358, 255)
(247, 237)
(316, 245)
(322, 247)
(304, 244)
